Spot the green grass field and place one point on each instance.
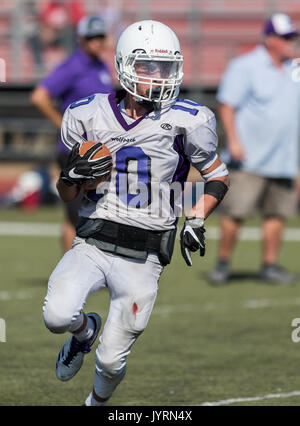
(202, 343)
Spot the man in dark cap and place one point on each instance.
(81, 75)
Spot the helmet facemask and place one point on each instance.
(161, 76)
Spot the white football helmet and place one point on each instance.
(148, 52)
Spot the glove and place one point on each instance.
(81, 168)
(192, 238)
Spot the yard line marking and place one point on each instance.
(266, 303)
(169, 309)
(165, 310)
(21, 229)
(249, 399)
(216, 306)
(29, 229)
(16, 295)
(252, 233)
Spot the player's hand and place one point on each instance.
(192, 238)
(79, 168)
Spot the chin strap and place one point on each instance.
(149, 105)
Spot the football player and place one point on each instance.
(122, 242)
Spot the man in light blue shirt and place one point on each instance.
(259, 100)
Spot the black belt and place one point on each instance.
(122, 235)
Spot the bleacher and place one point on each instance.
(211, 33)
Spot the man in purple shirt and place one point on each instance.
(81, 75)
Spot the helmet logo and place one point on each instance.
(161, 51)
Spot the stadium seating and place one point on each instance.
(211, 33)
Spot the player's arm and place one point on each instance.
(79, 168)
(216, 185)
(41, 98)
(201, 147)
(67, 193)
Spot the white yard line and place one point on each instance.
(22, 229)
(16, 295)
(267, 303)
(166, 310)
(54, 230)
(250, 399)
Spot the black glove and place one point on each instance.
(192, 238)
(81, 168)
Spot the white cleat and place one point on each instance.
(70, 358)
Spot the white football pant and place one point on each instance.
(132, 286)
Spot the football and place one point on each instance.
(103, 152)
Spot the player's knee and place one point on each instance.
(111, 367)
(55, 321)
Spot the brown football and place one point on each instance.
(103, 152)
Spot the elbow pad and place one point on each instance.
(216, 173)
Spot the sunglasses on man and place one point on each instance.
(289, 37)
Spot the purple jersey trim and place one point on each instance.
(119, 116)
(183, 166)
(182, 170)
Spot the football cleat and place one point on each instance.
(220, 274)
(70, 357)
(276, 274)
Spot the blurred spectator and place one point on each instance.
(59, 19)
(81, 75)
(31, 28)
(260, 110)
(112, 12)
(32, 189)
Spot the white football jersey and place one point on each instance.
(151, 157)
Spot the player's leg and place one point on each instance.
(133, 288)
(280, 203)
(239, 203)
(75, 277)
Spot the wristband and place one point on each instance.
(197, 221)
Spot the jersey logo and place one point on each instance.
(166, 126)
(123, 140)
